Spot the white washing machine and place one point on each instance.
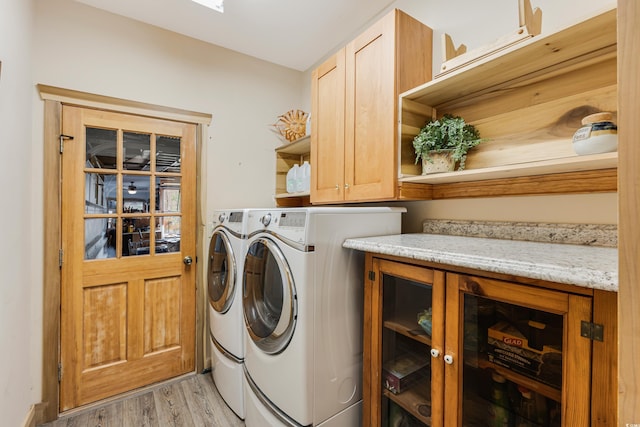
(302, 302)
(226, 326)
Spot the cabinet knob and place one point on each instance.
(435, 353)
(448, 359)
(337, 187)
(346, 186)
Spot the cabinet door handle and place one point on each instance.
(346, 186)
(337, 187)
(448, 359)
(435, 353)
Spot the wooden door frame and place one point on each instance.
(54, 98)
(628, 211)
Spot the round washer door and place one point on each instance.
(269, 297)
(221, 276)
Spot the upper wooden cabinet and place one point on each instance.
(354, 110)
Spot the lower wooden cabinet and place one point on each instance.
(449, 349)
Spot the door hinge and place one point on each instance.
(593, 331)
(62, 138)
(372, 275)
(60, 256)
(59, 372)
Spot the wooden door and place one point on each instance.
(128, 235)
(370, 113)
(327, 130)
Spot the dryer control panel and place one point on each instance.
(293, 219)
(285, 223)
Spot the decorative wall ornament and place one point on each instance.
(292, 125)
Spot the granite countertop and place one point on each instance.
(587, 266)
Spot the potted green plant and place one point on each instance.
(444, 142)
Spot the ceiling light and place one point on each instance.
(132, 189)
(217, 5)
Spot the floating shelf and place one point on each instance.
(545, 167)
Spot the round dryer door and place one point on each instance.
(221, 277)
(269, 297)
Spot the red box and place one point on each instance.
(400, 373)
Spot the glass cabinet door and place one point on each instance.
(411, 328)
(513, 359)
(512, 344)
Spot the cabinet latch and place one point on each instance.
(372, 275)
(593, 331)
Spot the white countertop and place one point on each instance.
(581, 265)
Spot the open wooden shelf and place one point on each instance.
(543, 167)
(526, 101)
(286, 156)
(299, 146)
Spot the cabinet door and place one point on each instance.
(514, 355)
(370, 114)
(404, 326)
(327, 130)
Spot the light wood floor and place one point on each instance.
(191, 401)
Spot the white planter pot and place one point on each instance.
(440, 161)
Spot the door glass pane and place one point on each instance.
(168, 232)
(512, 364)
(99, 238)
(167, 154)
(135, 193)
(136, 151)
(101, 151)
(136, 236)
(167, 194)
(406, 345)
(100, 193)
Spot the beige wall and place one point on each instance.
(18, 325)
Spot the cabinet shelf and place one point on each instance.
(409, 329)
(531, 384)
(526, 101)
(416, 400)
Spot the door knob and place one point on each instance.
(187, 260)
(435, 353)
(448, 359)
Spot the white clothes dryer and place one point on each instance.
(226, 327)
(302, 302)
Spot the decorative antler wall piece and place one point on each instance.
(530, 25)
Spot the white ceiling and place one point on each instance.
(292, 33)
